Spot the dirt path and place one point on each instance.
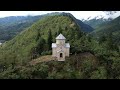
(42, 59)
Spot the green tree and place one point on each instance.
(40, 45)
(109, 43)
(71, 34)
(59, 30)
(116, 68)
(102, 39)
(36, 51)
(101, 73)
(49, 40)
(38, 36)
(40, 71)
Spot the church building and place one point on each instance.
(60, 49)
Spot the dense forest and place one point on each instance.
(93, 56)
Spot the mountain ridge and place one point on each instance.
(96, 22)
(11, 26)
(110, 27)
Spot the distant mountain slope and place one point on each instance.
(96, 22)
(11, 26)
(109, 27)
(85, 27)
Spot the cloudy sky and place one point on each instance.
(77, 14)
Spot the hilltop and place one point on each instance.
(33, 41)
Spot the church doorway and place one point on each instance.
(61, 55)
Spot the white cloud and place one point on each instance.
(86, 14)
(16, 13)
(77, 14)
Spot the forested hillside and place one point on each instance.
(112, 27)
(11, 26)
(37, 39)
(90, 58)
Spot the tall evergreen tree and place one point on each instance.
(102, 39)
(38, 36)
(110, 41)
(40, 46)
(59, 30)
(49, 40)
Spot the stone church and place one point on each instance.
(60, 49)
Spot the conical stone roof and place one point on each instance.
(60, 36)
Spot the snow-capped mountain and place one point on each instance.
(98, 18)
(104, 15)
(96, 21)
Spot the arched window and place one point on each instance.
(61, 55)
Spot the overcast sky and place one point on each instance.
(77, 14)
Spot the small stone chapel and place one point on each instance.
(60, 49)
